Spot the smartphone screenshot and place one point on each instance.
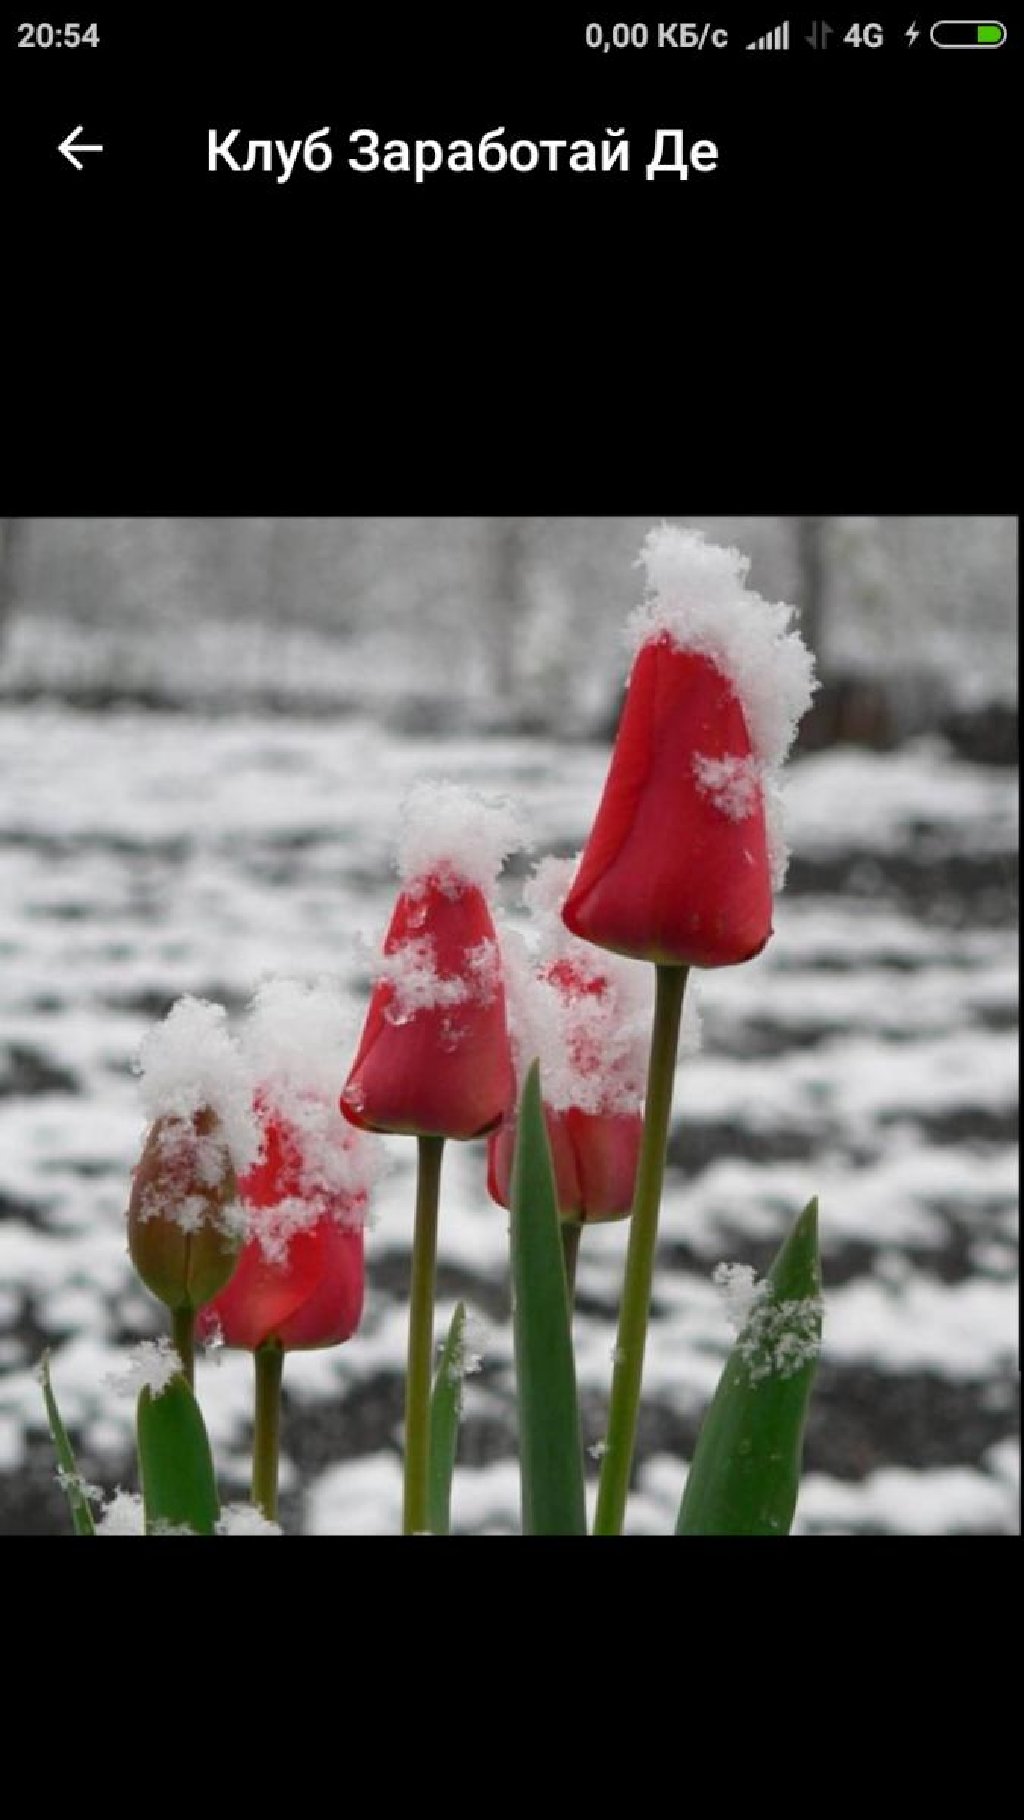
(508, 555)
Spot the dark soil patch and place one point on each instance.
(25, 1071)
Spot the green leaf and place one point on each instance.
(745, 1474)
(70, 1478)
(550, 1450)
(445, 1410)
(175, 1462)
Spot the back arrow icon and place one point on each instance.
(66, 144)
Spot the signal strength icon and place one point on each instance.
(778, 40)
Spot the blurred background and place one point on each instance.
(208, 726)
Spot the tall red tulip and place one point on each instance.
(678, 868)
(434, 1060)
(681, 860)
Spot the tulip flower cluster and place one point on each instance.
(248, 1205)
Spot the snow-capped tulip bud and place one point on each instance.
(586, 1018)
(681, 861)
(184, 1234)
(434, 1057)
(676, 868)
(299, 1281)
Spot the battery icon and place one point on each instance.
(968, 34)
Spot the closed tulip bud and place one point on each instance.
(434, 1057)
(685, 848)
(184, 1232)
(587, 1019)
(595, 1157)
(299, 1281)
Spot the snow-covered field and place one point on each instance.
(869, 1055)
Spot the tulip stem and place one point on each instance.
(183, 1329)
(415, 1519)
(617, 1460)
(570, 1252)
(269, 1363)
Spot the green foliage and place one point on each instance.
(445, 1411)
(745, 1474)
(81, 1515)
(175, 1463)
(550, 1449)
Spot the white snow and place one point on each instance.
(411, 970)
(698, 598)
(189, 1062)
(543, 894)
(732, 784)
(132, 898)
(592, 1044)
(740, 1292)
(892, 1501)
(936, 1502)
(73, 1482)
(297, 1042)
(456, 836)
(780, 1338)
(122, 1516)
(151, 1365)
(245, 1520)
(297, 1036)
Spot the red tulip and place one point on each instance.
(677, 866)
(595, 1157)
(583, 1021)
(434, 1058)
(299, 1280)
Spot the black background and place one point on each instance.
(822, 325)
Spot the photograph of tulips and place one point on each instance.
(509, 1025)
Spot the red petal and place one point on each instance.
(442, 1070)
(667, 875)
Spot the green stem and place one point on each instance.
(570, 1252)
(266, 1440)
(643, 1233)
(415, 1519)
(183, 1329)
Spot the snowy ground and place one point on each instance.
(869, 1056)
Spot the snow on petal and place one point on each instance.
(456, 836)
(191, 1061)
